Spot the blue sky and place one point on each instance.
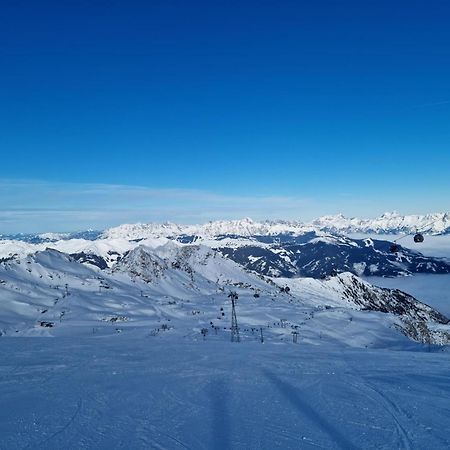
(117, 112)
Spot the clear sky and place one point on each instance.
(123, 111)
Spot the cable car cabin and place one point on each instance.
(418, 238)
(394, 248)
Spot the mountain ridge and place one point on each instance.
(387, 223)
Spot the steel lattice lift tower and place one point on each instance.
(234, 325)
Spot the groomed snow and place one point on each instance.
(144, 393)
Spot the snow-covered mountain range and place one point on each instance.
(184, 289)
(149, 274)
(387, 223)
(312, 254)
(278, 249)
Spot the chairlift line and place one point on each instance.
(418, 238)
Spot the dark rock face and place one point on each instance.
(417, 320)
(393, 301)
(263, 261)
(310, 255)
(140, 263)
(89, 258)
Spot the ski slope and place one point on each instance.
(122, 392)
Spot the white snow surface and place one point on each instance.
(160, 393)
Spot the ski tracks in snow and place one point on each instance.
(378, 397)
(58, 432)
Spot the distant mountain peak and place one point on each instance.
(387, 223)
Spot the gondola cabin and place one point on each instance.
(418, 238)
(394, 248)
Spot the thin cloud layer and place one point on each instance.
(39, 206)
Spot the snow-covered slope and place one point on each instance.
(109, 250)
(184, 289)
(348, 290)
(200, 263)
(173, 394)
(52, 287)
